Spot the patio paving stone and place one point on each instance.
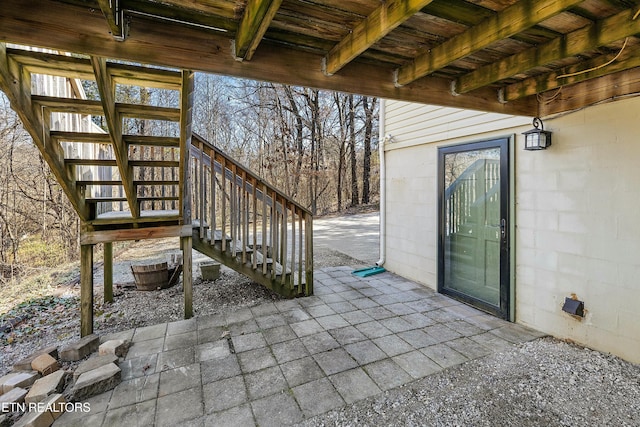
(320, 310)
(443, 355)
(279, 334)
(335, 361)
(265, 382)
(271, 321)
(289, 350)
(307, 327)
(182, 326)
(276, 410)
(218, 369)
(175, 358)
(393, 345)
(224, 394)
(240, 416)
(387, 374)
(317, 397)
(301, 371)
(347, 335)
(145, 348)
(186, 339)
(334, 321)
(365, 352)
(179, 379)
(210, 334)
(255, 360)
(354, 385)
(417, 339)
(138, 414)
(416, 364)
(149, 332)
(212, 350)
(138, 366)
(318, 343)
(135, 390)
(248, 342)
(176, 408)
(373, 329)
(469, 348)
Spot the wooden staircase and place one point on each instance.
(257, 230)
(144, 174)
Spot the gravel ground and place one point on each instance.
(545, 382)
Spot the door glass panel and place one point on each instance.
(471, 232)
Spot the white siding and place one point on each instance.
(576, 213)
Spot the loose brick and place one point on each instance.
(55, 405)
(46, 386)
(15, 395)
(45, 364)
(117, 347)
(19, 379)
(96, 381)
(35, 419)
(80, 349)
(25, 364)
(94, 363)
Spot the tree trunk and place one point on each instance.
(352, 147)
(366, 161)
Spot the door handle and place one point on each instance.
(503, 229)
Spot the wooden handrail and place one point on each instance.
(230, 198)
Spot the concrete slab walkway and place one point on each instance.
(279, 363)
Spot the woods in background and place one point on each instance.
(316, 146)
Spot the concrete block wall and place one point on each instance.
(576, 215)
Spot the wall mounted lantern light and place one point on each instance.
(537, 138)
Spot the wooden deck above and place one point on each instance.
(510, 56)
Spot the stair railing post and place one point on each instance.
(309, 255)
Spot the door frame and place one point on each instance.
(504, 311)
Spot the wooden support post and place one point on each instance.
(86, 290)
(108, 272)
(187, 276)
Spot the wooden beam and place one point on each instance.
(149, 112)
(86, 137)
(210, 51)
(186, 244)
(593, 91)
(155, 141)
(601, 33)
(514, 19)
(15, 82)
(108, 272)
(78, 67)
(186, 117)
(86, 290)
(106, 87)
(256, 19)
(587, 70)
(381, 22)
(69, 105)
(114, 14)
(105, 236)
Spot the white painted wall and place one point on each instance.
(577, 213)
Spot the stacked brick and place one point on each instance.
(37, 391)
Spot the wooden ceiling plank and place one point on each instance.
(106, 87)
(630, 58)
(382, 21)
(15, 82)
(598, 34)
(113, 13)
(256, 19)
(593, 91)
(155, 42)
(518, 17)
